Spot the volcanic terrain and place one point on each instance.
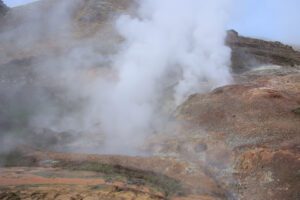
(239, 141)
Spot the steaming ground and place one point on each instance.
(140, 78)
(79, 88)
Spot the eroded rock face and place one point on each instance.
(248, 52)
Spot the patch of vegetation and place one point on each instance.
(160, 182)
(16, 159)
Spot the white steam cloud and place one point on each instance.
(82, 89)
(167, 36)
(176, 34)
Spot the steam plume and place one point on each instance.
(181, 36)
(171, 49)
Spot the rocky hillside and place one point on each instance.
(237, 142)
(249, 52)
(256, 124)
(92, 18)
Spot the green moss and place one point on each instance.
(160, 182)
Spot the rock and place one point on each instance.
(248, 52)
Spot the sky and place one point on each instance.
(12, 3)
(268, 19)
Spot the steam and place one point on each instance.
(187, 35)
(89, 91)
(181, 36)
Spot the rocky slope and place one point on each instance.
(249, 52)
(239, 141)
(91, 18)
(257, 124)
